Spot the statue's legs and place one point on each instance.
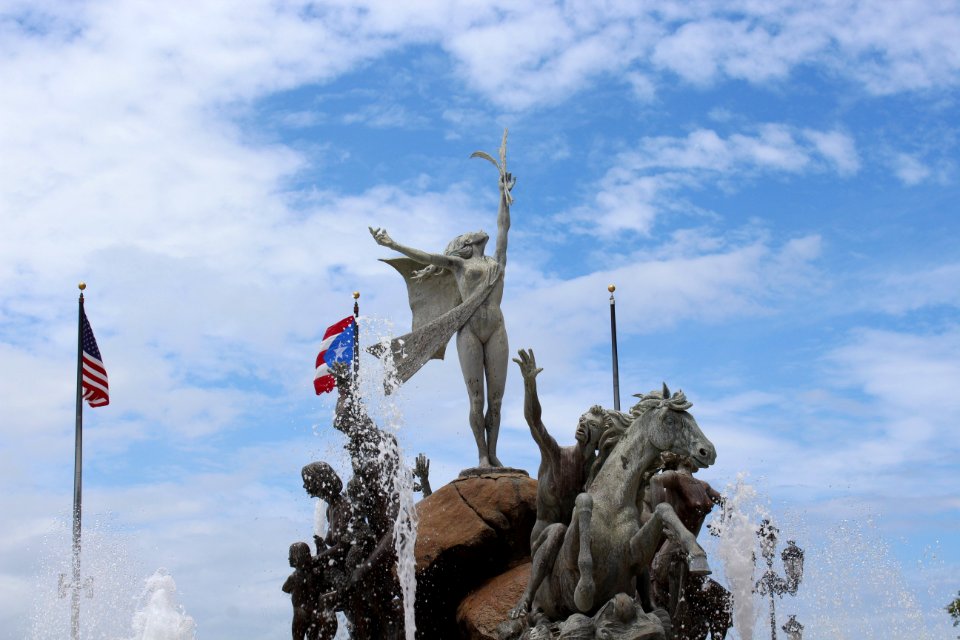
(496, 355)
(586, 588)
(644, 544)
(470, 352)
(543, 554)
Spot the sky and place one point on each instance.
(771, 185)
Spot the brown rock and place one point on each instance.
(488, 605)
(470, 530)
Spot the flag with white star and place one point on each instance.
(337, 346)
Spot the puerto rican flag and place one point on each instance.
(337, 346)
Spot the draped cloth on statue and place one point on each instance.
(438, 313)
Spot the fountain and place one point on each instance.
(603, 545)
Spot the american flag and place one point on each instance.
(95, 388)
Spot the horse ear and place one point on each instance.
(666, 392)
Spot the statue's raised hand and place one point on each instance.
(507, 181)
(382, 237)
(421, 467)
(528, 365)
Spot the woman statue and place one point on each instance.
(470, 307)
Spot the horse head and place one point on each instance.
(672, 428)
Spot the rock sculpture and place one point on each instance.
(459, 291)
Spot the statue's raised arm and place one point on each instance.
(459, 291)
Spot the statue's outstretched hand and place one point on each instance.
(382, 237)
(528, 364)
(421, 467)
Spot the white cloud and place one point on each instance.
(910, 169)
(644, 183)
(838, 148)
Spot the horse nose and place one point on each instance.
(703, 452)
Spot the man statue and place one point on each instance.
(561, 478)
(371, 600)
(697, 605)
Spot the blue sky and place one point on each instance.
(771, 185)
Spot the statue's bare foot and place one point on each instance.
(698, 565)
(584, 593)
(484, 462)
(495, 461)
(520, 611)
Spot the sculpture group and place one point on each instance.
(353, 569)
(613, 552)
(599, 529)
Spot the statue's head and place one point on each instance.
(299, 554)
(321, 481)
(591, 426)
(672, 428)
(467, 245)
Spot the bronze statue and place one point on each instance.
(697, 605)
(459, 291)
(310, 622)
(371, 598)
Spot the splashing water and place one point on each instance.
(160, 616)
(738, 539)
(111, 578)
(385, 411)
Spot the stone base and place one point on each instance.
(486, 607)
(474, 472)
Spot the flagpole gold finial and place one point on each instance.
(611, 288)
(356, 295)
(82, 286)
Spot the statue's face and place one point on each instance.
(473, 245)
(312, 485)
(588, 429)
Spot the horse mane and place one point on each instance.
(616, 423)
(660, 400)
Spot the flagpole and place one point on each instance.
(356, 339)
(77, 479)
(613, 344)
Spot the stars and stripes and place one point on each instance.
(96, 391)
(337, 346)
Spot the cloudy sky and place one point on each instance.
(772, 185)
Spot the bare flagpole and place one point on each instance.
(613, 344)
(77, 479)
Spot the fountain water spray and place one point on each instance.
(386, 411)
(738, 538)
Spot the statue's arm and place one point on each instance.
(659, 484)
(384, 240)
(715, 496)
(503, 218)
(532, 410)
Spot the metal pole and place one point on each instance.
(613, 343)
(773, 618)
(77, 479)
(356, 338)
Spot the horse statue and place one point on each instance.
(599, 555)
